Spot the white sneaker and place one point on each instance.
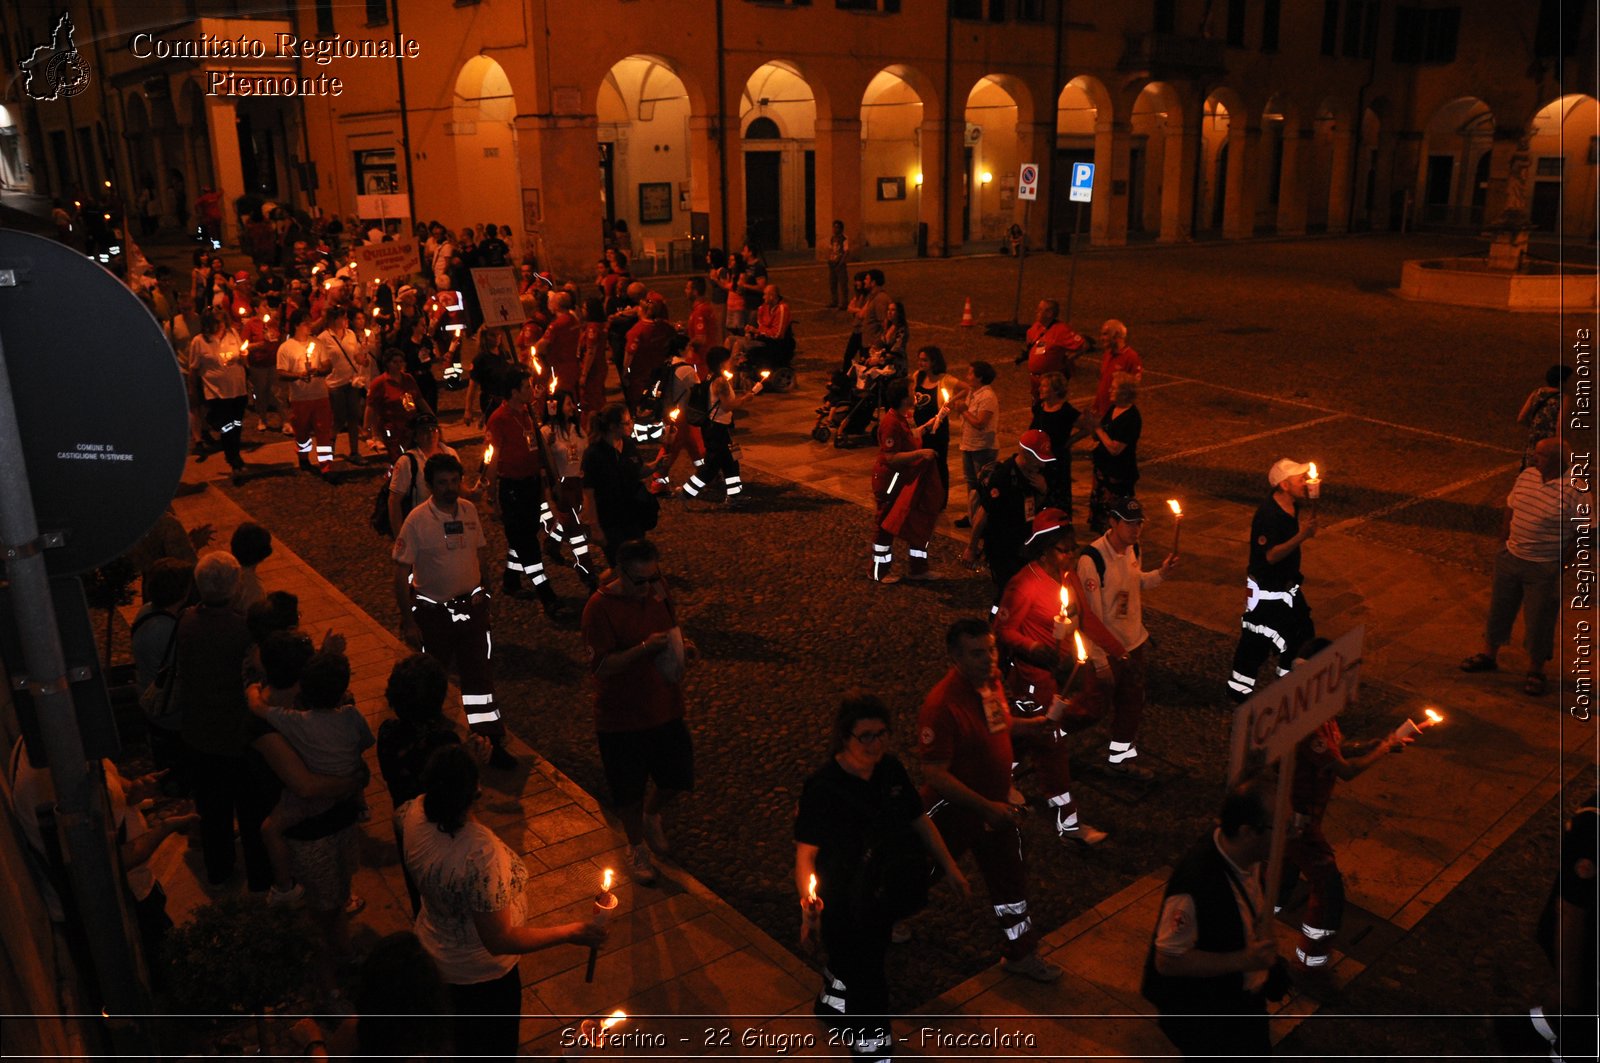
(654, 836)
(1084, 834)
(644, 869)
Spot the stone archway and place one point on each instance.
(1561, 174)
(1457, 137)
(488, 170)
(646, 156)
(1082, 108)
(999, 113)
(778, 173)
(897, 162)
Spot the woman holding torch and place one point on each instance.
(934, 387)
(863, 851)
(473, 903)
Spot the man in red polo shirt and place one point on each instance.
(516, 481)
(648, 346)
(558, 347)
(1024, 626)
(637, 654)
(703, 329)
(965, 735)
(1052, 346)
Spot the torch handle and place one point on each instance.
(588, 971)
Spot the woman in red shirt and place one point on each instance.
(393, 399)
(592, 353)
(906, 486)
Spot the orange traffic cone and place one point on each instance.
(966, 314)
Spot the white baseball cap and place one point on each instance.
(1284, 468)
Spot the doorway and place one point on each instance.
(762, 198)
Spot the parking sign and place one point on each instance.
(1082, 182)
(1028, 181)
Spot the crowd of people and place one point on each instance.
(252, 717)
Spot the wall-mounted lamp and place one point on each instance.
(985, 177)
(917, 180)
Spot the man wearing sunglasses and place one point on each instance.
(637, 655)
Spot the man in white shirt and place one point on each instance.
(441, 587)
(1527, 572)
(1113, 585)
(978, 414)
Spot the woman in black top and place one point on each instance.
(858, 823)
(1115, 458)
(932, 374)
(1057, 418)
(616, 503)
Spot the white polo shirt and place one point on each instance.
(292, 361)
(442, 549)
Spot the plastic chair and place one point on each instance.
(653, 253)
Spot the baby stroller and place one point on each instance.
(849, 411)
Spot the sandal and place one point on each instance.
(1534, 686)
(1479, 662)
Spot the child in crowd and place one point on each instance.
(251, 544)
(305, 699)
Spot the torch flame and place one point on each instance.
(555, 382)
(944, 396)
(1312, 475)
(244, 311)
(1172, 504)
(1434, 717)
(727, 374)
(265, 318)
(488, 454)
(1078, 647)
(811, 888)
(605, 880)
(765, 373)
(1066, 600)
(366, 332)
(616, 1018)
(244, 347)
(538, 366)
(311, 348)
(672, 415)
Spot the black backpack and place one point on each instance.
(380, 505)
(697, 403)
(1100, 562)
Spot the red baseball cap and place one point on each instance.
(1037, 443)
(1047, 521)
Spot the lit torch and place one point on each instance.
(1313, 483)
(727, 374)
(1058, 704)
(605, 903)
(310, 350)
(1177, 522)
(764, 374)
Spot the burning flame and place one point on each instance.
(672, 415)
(1434, 716)
(1078, 647)
(606, 879)
(245, 347)
(727, 374)
(1312, 475)
(310, 348)
(244, 311)
(366, 332)
(555, 382)
(488, 454)
(327, 285)
(944, 396)
(1066, 600)
(1172, 504)
(765, 373)
(538, 366)
(616, 1018)
(811, 888)
(265, 318)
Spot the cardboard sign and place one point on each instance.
(383, 205)
(498, 295)
(1277, 718)
(391, 261)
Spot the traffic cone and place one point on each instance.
(966, 314)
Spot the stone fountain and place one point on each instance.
(1506, 278)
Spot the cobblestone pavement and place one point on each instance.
(1411, 403)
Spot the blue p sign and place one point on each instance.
(1082, 182)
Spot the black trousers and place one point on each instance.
(226, 418)
(519, 510)
(226, 790)
(1222, 1037)
(855, 988)
(488, 1017)
(1273, 626)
